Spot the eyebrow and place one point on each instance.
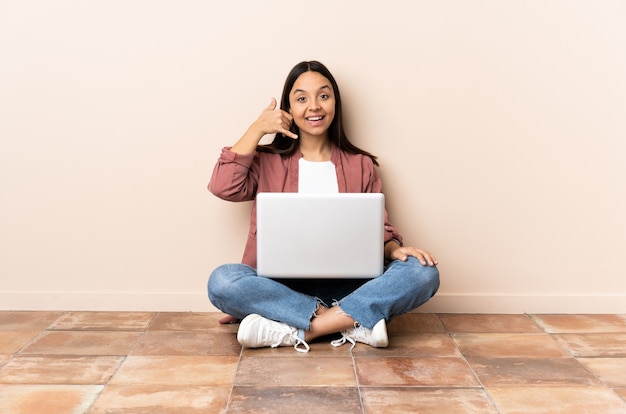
(302, 90)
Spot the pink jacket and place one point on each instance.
(239, 177)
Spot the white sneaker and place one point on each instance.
(376, 337)
(256, 331)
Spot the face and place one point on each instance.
(312, 104)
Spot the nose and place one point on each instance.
(315, 104)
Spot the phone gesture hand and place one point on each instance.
(274, 120)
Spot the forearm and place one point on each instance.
(248, 142)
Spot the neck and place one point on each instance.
(315, 148)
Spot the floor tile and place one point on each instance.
(412, 323)
(556, 400)
(426, 401)
(402, 371)
(287, 400)
(170, 399)
(59, 370)
(531, 371)
(83, 343)
(27, 320)
(191, 321)
(4, 358)
(581, 323)
(188, 362)
(594, 345)
(509, 345)
(418, 345)
(47, 399)
(103, 321)
(488, 323)
(187, 343)
(612, 371)
(176, 370)
(13, 341)
(295, 371)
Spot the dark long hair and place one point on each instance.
(286, 146)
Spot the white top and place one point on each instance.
(317, 177)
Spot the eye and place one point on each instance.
(324, 96)
(301, 99)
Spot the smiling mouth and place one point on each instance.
(315, 118)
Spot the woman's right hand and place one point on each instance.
(274, 120)
(271, 121)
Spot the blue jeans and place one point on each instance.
(237, 290)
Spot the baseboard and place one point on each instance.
(107, 301)
(198, 302)
(517, 304)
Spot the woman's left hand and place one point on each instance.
(424, 256)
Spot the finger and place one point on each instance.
(430, 259)
(419, 255)
(289, 134)
(272, 105)
(287, 121)
(287, 115)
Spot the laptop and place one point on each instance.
(301, 235)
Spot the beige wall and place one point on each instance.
(500, 127)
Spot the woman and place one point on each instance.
(310, 153)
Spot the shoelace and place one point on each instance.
(284, 338)
(302, 342)
(358, 333)
(344, 338)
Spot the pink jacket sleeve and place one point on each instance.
(235, 176)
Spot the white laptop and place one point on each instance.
(320, 235)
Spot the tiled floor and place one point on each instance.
(120, 362)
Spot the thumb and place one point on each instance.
(272, 105)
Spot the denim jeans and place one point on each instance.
(237, 290)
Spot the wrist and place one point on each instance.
(391, 246)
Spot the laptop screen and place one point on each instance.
(338, 235)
